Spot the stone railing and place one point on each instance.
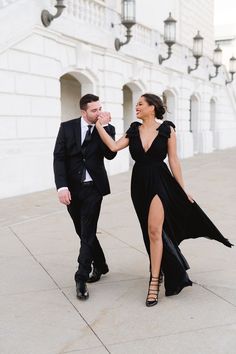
(95, 13)
(92, 12)
(143, 34)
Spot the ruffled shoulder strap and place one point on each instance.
(164, 128)
(133, 130)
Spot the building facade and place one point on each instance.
(44, 72)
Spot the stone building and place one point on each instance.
(44, 71)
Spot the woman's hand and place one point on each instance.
(104, 118)
(190, 198)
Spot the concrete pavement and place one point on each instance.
(39, 312)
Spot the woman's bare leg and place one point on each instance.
(155, 224)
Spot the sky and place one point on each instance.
(225, 12)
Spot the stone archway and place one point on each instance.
(128, 113)
(169, 101)
(73, 86)
(131, 94)
(194, 121)
(213, 122)
(70, 96)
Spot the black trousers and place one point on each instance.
(84, 210)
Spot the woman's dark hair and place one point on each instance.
(87, 99)
(154, 100)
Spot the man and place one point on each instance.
(82, 181)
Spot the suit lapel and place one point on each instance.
(78, 132)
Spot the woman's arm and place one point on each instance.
(174, 162)
(107, 153)
(114, 146)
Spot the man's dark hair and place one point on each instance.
(87, 99)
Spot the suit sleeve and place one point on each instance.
(108, 154)
(59, 161)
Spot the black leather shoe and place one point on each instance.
(97, 273)
(82, 290)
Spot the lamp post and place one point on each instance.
(197, 50)
(217, 61)
(169, 36)
(128, 20)
(232, 69)
(47, 18)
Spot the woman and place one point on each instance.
(167, 214)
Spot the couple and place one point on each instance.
(167, 214)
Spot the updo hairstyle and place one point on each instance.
(154, 100)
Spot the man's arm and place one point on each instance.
(59, 162)
(59, 166)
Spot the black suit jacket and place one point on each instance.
(69, 158)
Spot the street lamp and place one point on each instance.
(47, 18)
(232, 69)
(217, 61)
(169, 36)
(127, 20)
(197, 50)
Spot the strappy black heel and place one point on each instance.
(153, 290)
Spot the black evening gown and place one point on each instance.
(182, 219)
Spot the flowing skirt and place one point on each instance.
(182, 220)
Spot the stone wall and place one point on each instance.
(33, 59)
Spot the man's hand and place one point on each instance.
(64, 196)
(104, 118)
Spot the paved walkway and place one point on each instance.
(39, 312)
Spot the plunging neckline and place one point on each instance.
(146, 151)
